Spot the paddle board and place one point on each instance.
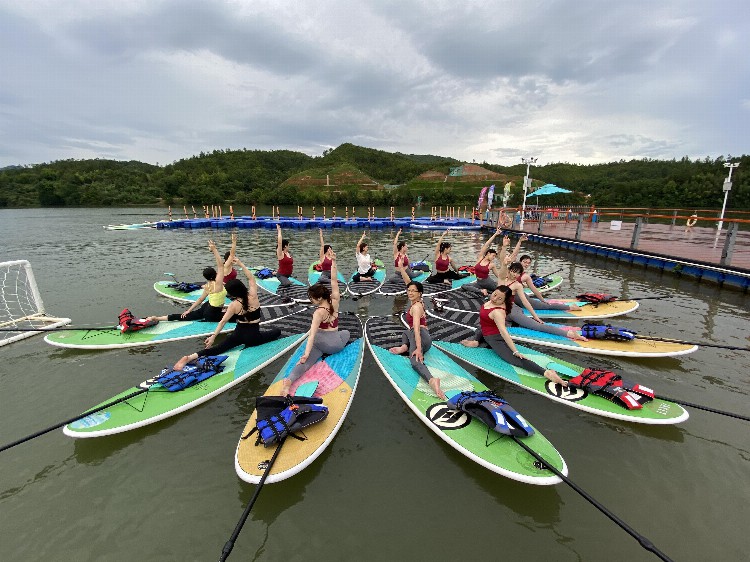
(467, 435)
(296, 292)
(463, 301)
(336, 377)
(398, 287)
(554, 281)
(367, 287)
(446, 335)
(134, 226)
(164, 331)
(634, 348)
(158, 404)
(163, 288)
(313, 276)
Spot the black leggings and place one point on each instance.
(440, 276)
(245, 334)
(498, 345)
(357, 276)
(206, 312)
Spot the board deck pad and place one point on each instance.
(266, 299)
(497, 452)
(296, 292)
(361, 288)
(634, 348)
(164, 331)
(447, 335)
(157, 403)
(468, 301)
(335, 379)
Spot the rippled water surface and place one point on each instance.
(386, 488)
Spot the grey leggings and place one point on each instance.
(487, 283)
(283, 280)
(326, 341)
(539, 305)
(498, 345)
(518, 317)
(409, 271)
(407, 338)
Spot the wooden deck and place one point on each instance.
(696, 244)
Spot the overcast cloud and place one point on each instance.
(582, 81)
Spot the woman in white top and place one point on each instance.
(365, 269)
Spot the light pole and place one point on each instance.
(727, 189)
(526, 185)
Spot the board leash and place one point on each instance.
(643, 541)
(229, 545)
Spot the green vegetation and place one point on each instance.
(346, 176)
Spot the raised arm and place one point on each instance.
(232, 254)
(437, 246)
(322, 253)
(487, 245)
(279, 251)
(335, 293)
(252, 284)
(517, 249)
(395, 243)
(356, 248)
(219, 285)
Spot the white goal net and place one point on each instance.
(21, 306)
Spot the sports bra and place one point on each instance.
(217, 299)
(325, 265)
(487, 324)
(442, 264)
(286, 265)
(410, 318)
(231, 275)
(482, 271)
(331, 324)
(401, 260)
(249, 316)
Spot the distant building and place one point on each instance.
(466, 172)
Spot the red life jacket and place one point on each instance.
(129, 323)
(611, 386)
(596, 298)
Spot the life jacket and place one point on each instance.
(610, 385)
(282, 416)
(539, 282)
(470, 269)
(608, 332)
(318, 267)
(193, 373)
(596, 298)
(184, 287)
(493, 411)
(264, 273)
(129, 323)
(419, 266)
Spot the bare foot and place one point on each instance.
(286, 386)
(447, 281)
(554, 377)
(470, 343)
(180, 365)
(574, 335)
(574, 307)
(435, 386)
(399, 350)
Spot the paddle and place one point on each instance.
(227, 550)
(71, 420)
(61, 328)
(700, 344)
(549, 274)
(644, 542)
(706, 408)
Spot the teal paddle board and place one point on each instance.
(361, 288)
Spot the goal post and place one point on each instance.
(21, 305)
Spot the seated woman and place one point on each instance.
(286, 262)
(445, 268)
(485, 264)
(326, 254)
(229, 260)
(492, 317)
(213, 309)
(416, 338)
(515, 271)
(245, 310)
(325, 336)
(401, 260)
(365, 269)
(509, 277)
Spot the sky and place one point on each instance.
(579, 81)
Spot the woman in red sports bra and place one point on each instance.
(445, 268)
(229, 260)
(325, 336)
(416, 338)
(286, 262)
(485, 263)
(326, 259)
(492, 331)
(401, 261)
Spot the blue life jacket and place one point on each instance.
(539, 281)
(193, 373)
(264, 273)
(611, 386)
(184, 287)
(493, 411)
(419, 266)
(283, 416)
(608, 332)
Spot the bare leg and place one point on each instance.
(184, 360)
(470, 343)
(435, 386)
(554, 377)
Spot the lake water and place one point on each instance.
(387, 488)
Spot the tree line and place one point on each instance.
(256, 177)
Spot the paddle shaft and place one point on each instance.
(706, 408)
(61, 328)
(700, 344)
(545, 276)
(227, 550)
(643, 541)
(71, 420)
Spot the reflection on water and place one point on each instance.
(387, 487)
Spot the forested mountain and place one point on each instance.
(256, 176)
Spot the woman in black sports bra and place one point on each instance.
(245, 308)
